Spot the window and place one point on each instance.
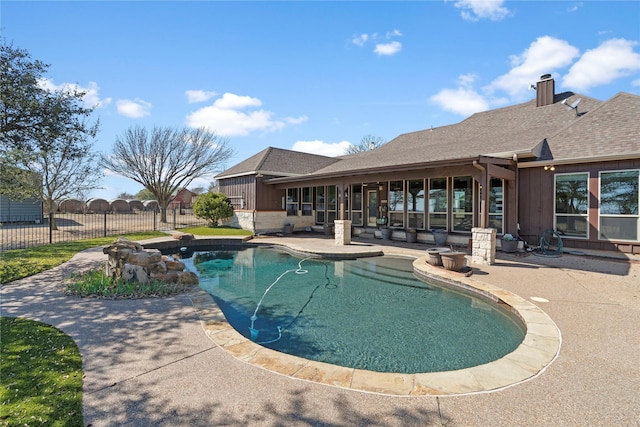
(415, 204)
(332, 203)
(292, 201)
(307, 201)
(462, 203)
(438, 203)
(320, 214)
(571, 204)
(356, 209)
(619, 211)
(496, 198)
(396, 204)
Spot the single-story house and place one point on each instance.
(183, 199)
(563, 162)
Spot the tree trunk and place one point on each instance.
(163, 214)
(52, 217)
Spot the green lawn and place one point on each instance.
(41, 382)
(41, 367)
(19, 263)
(216, 231)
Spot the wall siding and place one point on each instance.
(536, 204)
(29, 210)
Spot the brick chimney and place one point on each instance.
(545, 90)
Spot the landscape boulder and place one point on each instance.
(130, 261)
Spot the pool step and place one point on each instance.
(387, 273)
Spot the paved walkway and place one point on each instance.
(150, 362)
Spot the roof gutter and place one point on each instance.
(372, 171)
(551, 162)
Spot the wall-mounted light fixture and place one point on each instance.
(549, 168)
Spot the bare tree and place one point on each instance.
(167, 159)
(367, 143)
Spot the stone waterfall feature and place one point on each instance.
(130, 261)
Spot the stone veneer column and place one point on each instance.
(342, 230)
(483, 249)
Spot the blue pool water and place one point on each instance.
(370, 313)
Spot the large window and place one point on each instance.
(496, 207)
(320, 205)
(396, 204)
(332, 203)
(415, 204)
(356, 208)
(307, 201)
(292, 201)
(462, 203)
(438, 203)
(571, 205)
(619, 211)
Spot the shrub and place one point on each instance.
(213, 207)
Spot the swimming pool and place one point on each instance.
(369, 313)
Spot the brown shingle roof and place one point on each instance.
(279, 162)
(610, 131)
(518, 129)
(551, 132)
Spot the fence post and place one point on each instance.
(174, 218)
(105, 224)
(51, 219)
(155, 219)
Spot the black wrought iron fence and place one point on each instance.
(24, 232)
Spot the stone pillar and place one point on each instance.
(483, 250)
(342, 231)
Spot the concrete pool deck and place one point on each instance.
(149, 362)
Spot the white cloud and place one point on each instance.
(464, 100)
(394, 33)
(322, 148)
(134, 109)
(575, 7)
(199, 95)
(611, 60)
(545, 55)
(91, 96)
(390, 48)
(233, 101)
(360, 40)
(233, 115)
(635, 83)
(474, 10)
(384, 44)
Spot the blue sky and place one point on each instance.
(317, 76)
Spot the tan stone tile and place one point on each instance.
(326, 374)
(227, 337)
(499, 374)
(450, 382)
(382, 382)
(244, 350)
(277, 362)
(530, 358)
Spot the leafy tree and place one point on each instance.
(213, 207)
(145, 194)
(199, 190)
(44, 133)
(126, 196)
(166, 159)
(367, 143)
